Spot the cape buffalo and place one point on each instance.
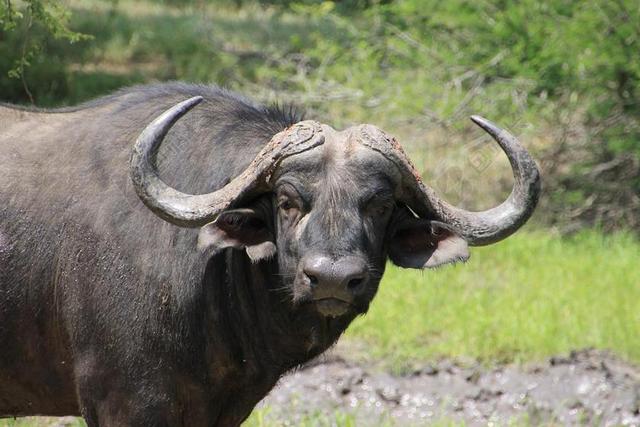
(168, 272)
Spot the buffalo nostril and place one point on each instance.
(355, 283)
(313, 280)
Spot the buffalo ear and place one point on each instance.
(239, 229)
(421, 243)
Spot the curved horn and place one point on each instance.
(493, 225)
(188, 210)
(478, 228)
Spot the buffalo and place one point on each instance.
(168, 252)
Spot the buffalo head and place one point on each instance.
(332, 207)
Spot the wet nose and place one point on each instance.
(345, 277)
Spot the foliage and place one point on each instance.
(49, 16)
(569, 67)
(580, 58)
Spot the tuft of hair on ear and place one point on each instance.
(261, 252)
(450, 262)
(238, 229)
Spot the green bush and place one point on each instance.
(585, 52)
(25, 35)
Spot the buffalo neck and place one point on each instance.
(253, 326)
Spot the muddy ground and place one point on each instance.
(587, 387)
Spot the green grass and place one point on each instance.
(343, 417)
(262, 418)
(526, 298)
(42, 422)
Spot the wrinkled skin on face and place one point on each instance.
(334, 216)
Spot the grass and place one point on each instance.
(261, 418)
(42, 422)
(526, 298)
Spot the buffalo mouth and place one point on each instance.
(332, 307)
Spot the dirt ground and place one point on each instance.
(587, 387)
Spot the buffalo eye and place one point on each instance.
(382, 210)
(289, 209)
(378, 207)
(286, 205)
(291, 206)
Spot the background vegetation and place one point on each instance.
(563, 75)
